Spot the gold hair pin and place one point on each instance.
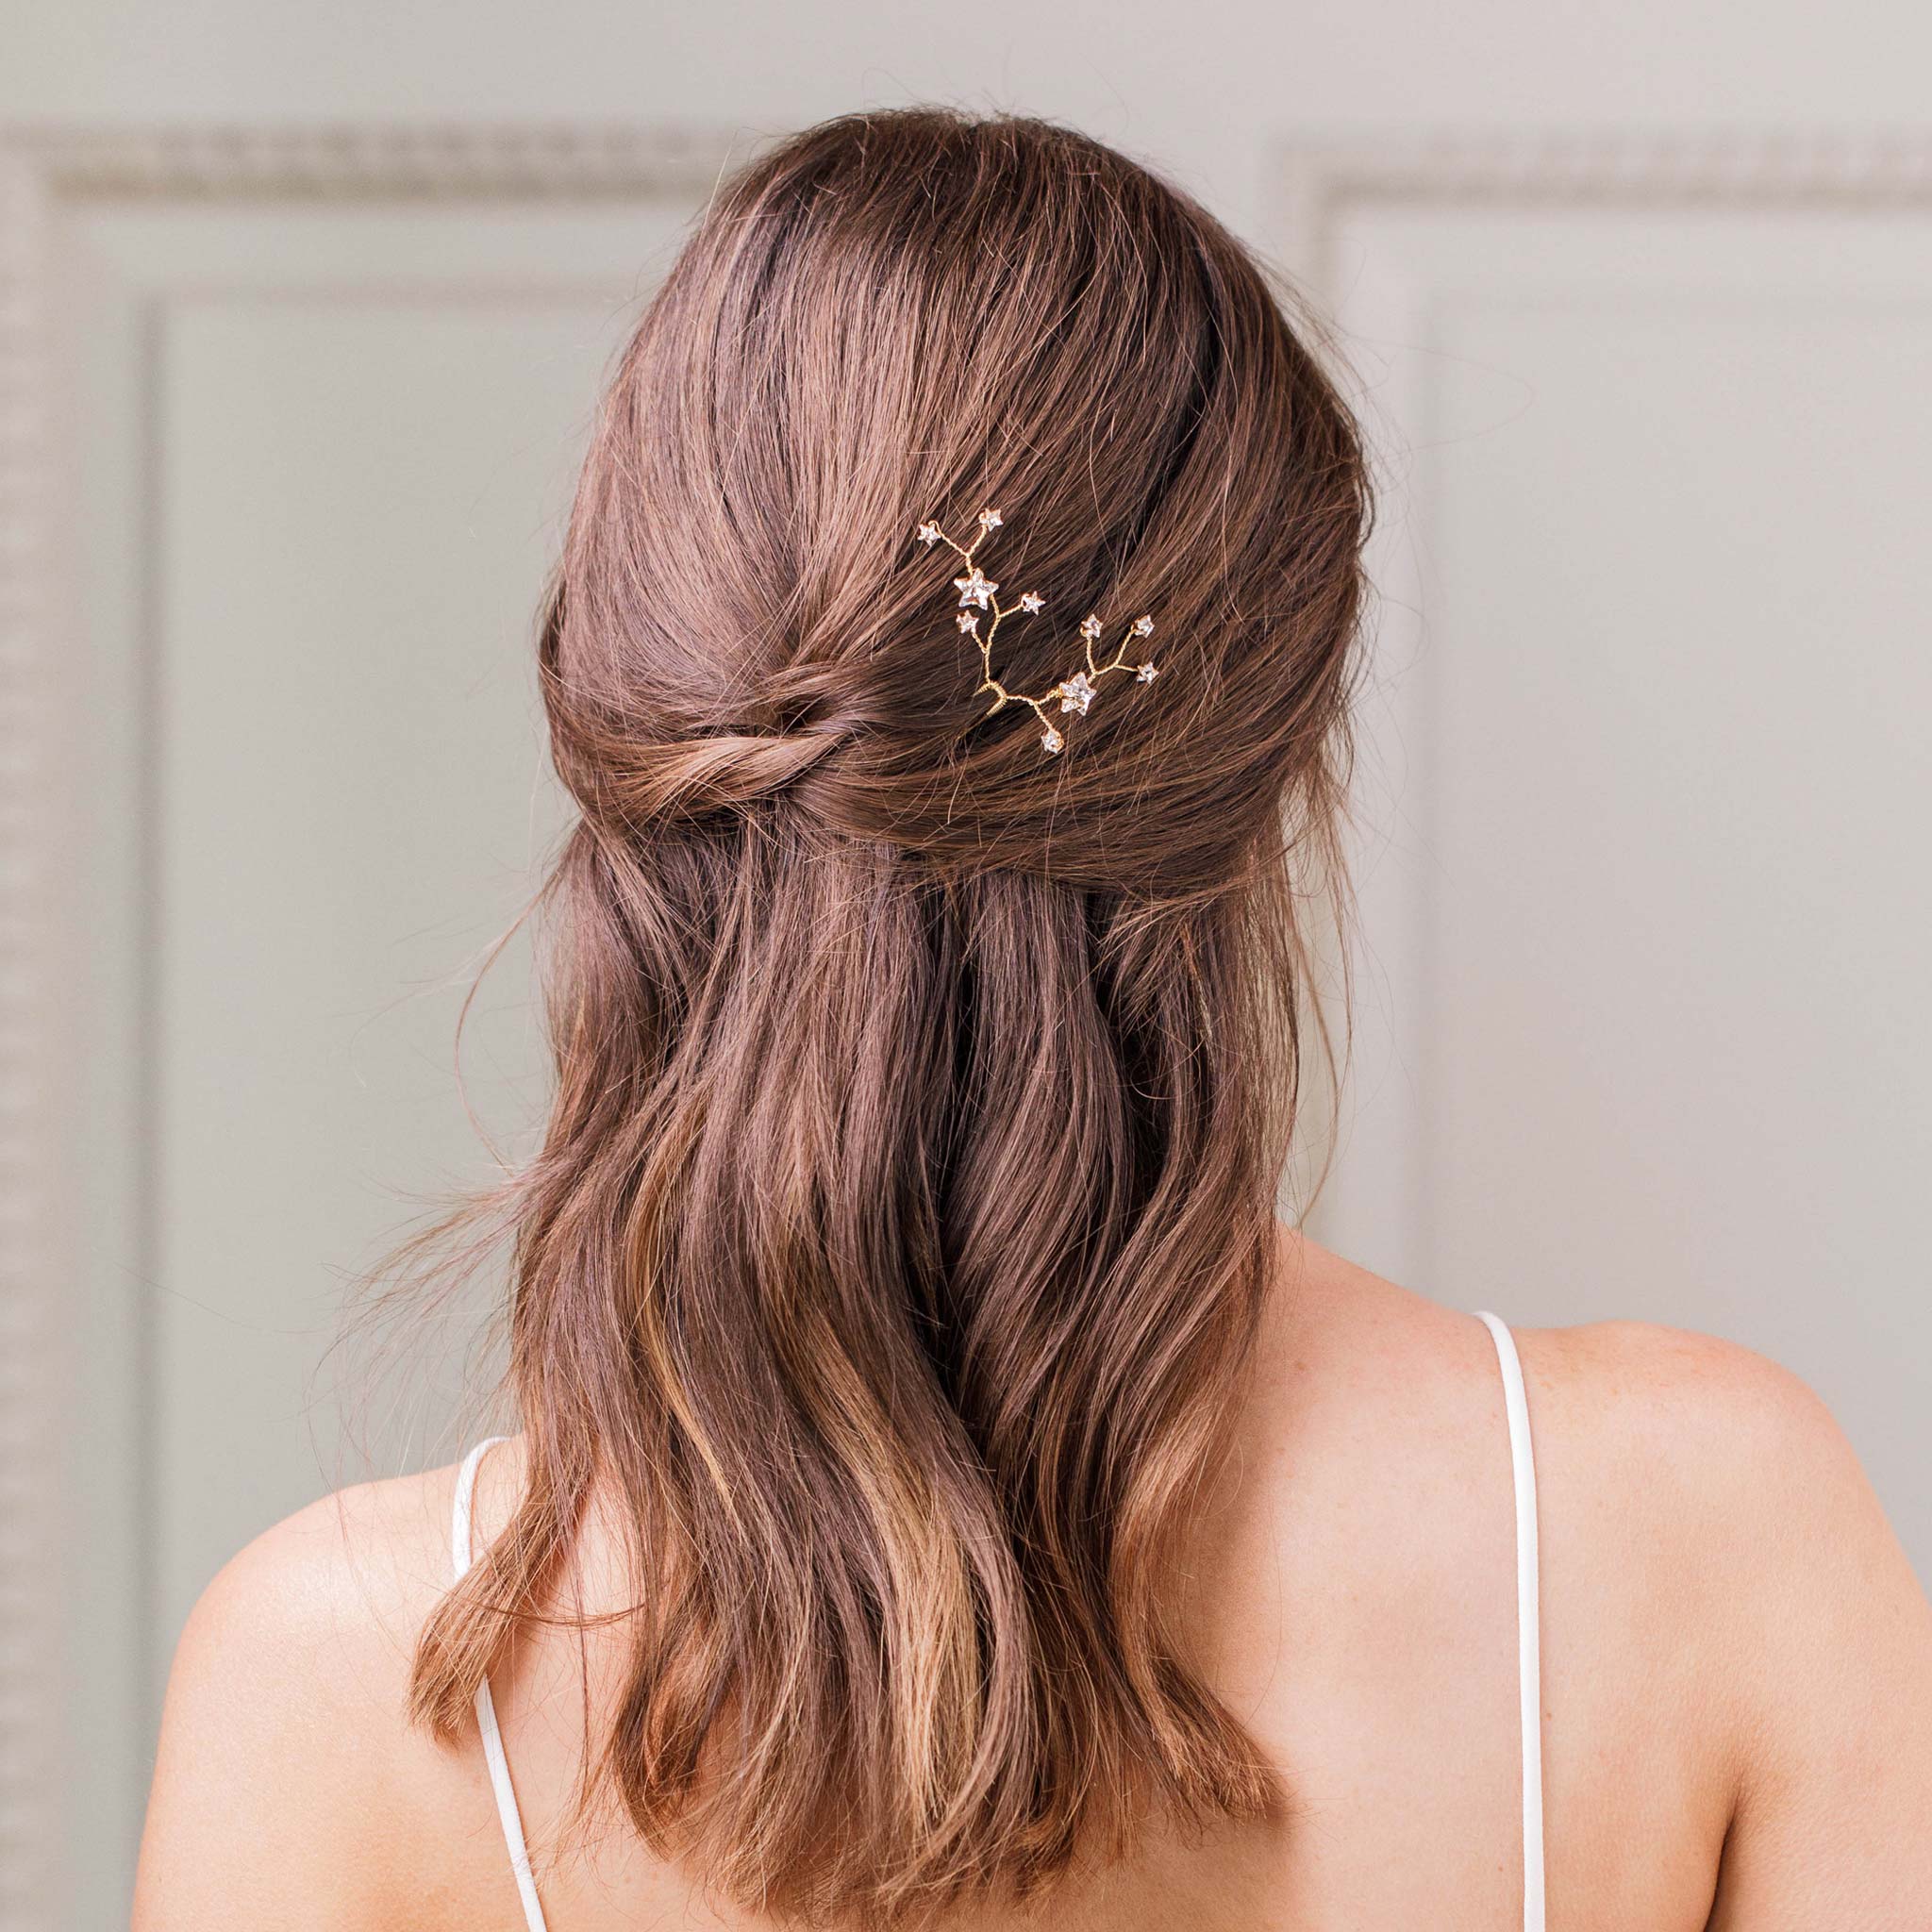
(978, 592)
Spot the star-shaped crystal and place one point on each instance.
(1031, 603)
(1090, 628)
(1052, 740)
(989, 520)
(1143, 626)
(928, 534)
(1147, 674)
(975, 587)
(969, 620)
(1077, 693)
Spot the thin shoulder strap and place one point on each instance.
(507, 1812)
(1528, 1649)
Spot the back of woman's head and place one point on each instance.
(906, 1205)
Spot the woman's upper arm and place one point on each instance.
(1831, 1698)
(269, 1806)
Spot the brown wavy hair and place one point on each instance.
(894, 1252)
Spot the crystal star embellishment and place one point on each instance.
(978, 591)
(1077, 693)
(975, 587)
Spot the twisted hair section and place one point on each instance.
(893, 1258)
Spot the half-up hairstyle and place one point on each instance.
(893, 1256)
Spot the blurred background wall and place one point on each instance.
(302, 314)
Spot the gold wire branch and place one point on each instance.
(979, 592)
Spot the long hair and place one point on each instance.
(894, 1252)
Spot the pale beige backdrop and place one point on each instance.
(286, 426)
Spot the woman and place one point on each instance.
(944, 1491)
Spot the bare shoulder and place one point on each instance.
(290, 1788)
(1677, 1377)
(1722, 1457)
(350, 1569)
(1710, 1454)
(1705, 1427)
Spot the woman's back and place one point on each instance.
(1736, 1669)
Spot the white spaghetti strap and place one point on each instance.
(1528, 1596)
(506, 1812)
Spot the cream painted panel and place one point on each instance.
(1644, 1028)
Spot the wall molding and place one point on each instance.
(29, 964)
(354, 161)
(1316, 181)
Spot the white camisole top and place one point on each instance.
(1529, 1669)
